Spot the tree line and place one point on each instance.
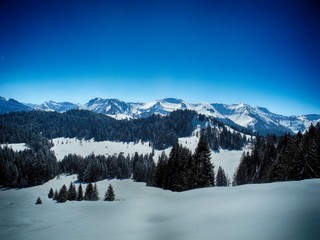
(161, 131)
(91, 193)
(289, 157)
(30, 167)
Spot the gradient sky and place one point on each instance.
(264, 53)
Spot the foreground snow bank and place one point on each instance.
(289, 210)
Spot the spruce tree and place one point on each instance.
(91, 193)
(88, 193)
(39, 201)
(160, 170)
(203, 172)
(55, 195)
(51, 193)
(80, 193)
(109, 195)
(63, 194)
(95, 193)
(72, 192)
(221, 179)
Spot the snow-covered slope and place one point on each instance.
(52, 106)
(277, 211)
(111, 107)
(255, 118)
(12, 105)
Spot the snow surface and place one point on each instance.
(15, 146)
(64, 146)
(277, 211)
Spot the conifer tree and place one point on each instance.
(109, 195)
(203, 170)
(221, 178)
(63, 194)
(89, 192)
(80, 193)
(160, 170)
(95, 194)
(72, 192)
(51, 193)
(55, 195)
(39, 201)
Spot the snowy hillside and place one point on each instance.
(52, 106)
(256, 118)
(12, 105)
(277, 211)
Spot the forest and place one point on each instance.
(288, 157)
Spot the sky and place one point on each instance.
(263, 53)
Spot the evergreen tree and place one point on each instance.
(51, 193)
(72, 192)
(203, 169)
(95, 195)
(39, 201)
(222, 179)
(63, 194)
(160, 170)
(91, 193)
(56, 195)
(80, 193)
(109, 195)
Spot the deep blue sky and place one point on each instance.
(264, 53)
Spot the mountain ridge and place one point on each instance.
(258, 119)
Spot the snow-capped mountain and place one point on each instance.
(255, 118)
(12, 105)
(52, 106)
(112, 107)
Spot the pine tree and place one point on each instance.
(109, 195)
(80, 193)
(39, 201)
(72, 192)
(95, 194)
(63, 194)
(56, 195)
(89, 192)
(51, 193)
(203, 172)
(221, 179)
(160, 170)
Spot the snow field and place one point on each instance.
(15, 146)
(64, 146)
(288, 210)
(228, 160)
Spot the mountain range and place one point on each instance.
(257, 119)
